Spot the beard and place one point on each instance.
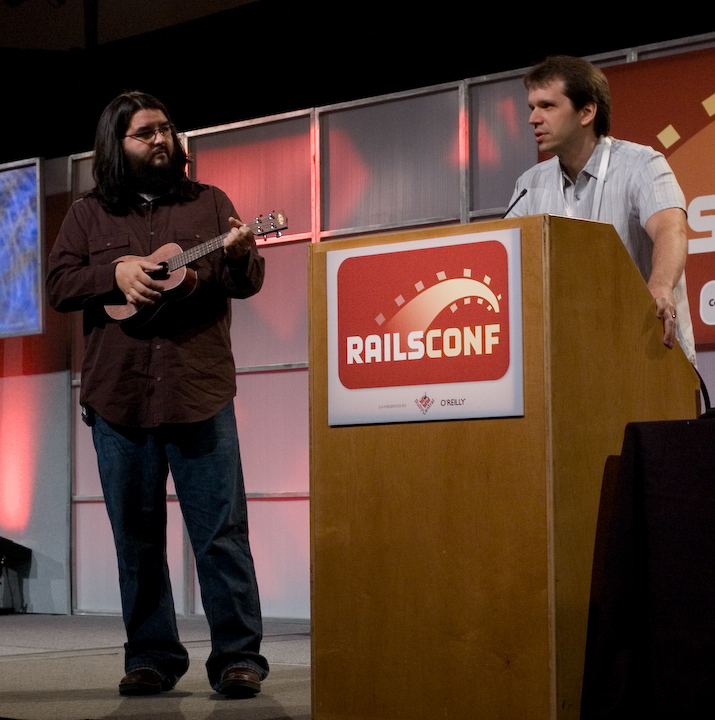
(156, 175)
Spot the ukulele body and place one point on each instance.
(175, 284)
(182, 280)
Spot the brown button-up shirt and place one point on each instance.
(178, 366)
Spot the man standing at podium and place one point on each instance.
(596, 177)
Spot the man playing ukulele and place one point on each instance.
(159, 395)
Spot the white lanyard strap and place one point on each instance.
(601, 179)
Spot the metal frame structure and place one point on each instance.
(316, 117)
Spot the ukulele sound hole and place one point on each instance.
(162, 273)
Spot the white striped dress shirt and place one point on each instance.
(638, 183)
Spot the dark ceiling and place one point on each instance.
(264, 57)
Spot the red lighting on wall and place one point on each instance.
(509, 116)
(260, 174)
(344, 154)
(19, 421)
(459, 147)
(488, 149)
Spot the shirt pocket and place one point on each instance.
(204, 254)
(189, 237)
(104, 249)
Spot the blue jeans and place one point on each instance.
(206, 466)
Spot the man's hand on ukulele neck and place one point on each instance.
(239, 241)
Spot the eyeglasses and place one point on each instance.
(147, 136)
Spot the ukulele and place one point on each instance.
(176, 279)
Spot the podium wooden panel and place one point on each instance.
(451, 561)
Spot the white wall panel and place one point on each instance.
(392, 161)
(96, 584)
(272, 326)
(96, 587)
(35, 480)
(446, 154)
(86, 472)
(280, 543)
(272, 420)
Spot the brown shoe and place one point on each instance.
(240, 682)
(143, 681)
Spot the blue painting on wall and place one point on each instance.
(20, 257)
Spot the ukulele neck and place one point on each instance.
(194, 253)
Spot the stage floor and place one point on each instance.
(67, 667)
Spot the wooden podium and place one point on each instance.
(451, 561)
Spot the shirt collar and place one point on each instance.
(593, 164)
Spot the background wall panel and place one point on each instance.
(444, 153)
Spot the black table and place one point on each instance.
(651, 637)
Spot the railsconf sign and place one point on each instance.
(426, 330)
(652, 105)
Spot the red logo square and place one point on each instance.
(424, 316)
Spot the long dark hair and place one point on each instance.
(583, 83)
(110, 165)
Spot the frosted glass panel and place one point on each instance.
(280, 543)
(501, 141)
(391, 162)
(96, 577)
(86, 472)
(274, 440)
(272, 326)
(261, 168)
(34, 475)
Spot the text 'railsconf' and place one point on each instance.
(437, 343)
